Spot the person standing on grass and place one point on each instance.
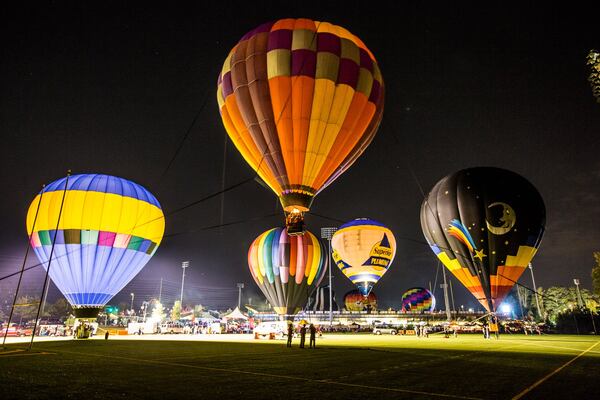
(290, 333)
(313, 334)
(302, 335)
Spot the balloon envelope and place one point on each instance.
(287, 268)
(109, 229)
(355, 301)
(485, 225)
(363, 250)
(418, 299)
(301, 100)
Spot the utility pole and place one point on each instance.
(240, 286)
(537, 300)
(184, 265)
(446, 300)
(132, 296)
(327, 233)
(160, 292)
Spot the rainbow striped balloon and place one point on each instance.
(418, 300)
(287, 268)
(109, 229)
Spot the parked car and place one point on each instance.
(15, 330)
(385, 329)
(271, 330)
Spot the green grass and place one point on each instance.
(343, 366)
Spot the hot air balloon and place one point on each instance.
(418, 300)
(319, 300)
(109, 229)
(287, 268)
(363, 250)
(301, 100)
(485, 225)
(355, 301)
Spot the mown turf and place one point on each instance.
(343, 366)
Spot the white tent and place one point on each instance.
(235, 314)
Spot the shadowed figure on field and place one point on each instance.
(313, 332)
(302, 335)
(290, 334)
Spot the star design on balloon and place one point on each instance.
(480, 254)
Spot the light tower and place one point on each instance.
(184, 265)
(327, 233)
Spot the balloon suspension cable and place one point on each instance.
(205, 228)
(44, 287)
(12, 309)
(187, 133)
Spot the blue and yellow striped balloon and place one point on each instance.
(363, 250)
(109, 229)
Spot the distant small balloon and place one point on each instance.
(355, 301)
(417, 300)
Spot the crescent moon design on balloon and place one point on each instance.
(508, 219)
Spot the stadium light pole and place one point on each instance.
(579, 299)
(446, 300)
(327, 233)
(240, 286)
(184, 265)
(132, 297)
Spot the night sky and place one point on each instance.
(114, 88)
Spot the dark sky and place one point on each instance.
(112, 88)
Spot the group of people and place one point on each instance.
(313, 335)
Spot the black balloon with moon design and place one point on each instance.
(485, 225)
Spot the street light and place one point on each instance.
(240, 286)
(132, 296)
(327, 233)
(145, 308)
(184, 265)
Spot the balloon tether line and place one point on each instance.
(62, 202)
(23, 267)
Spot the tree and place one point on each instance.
(596, 274)
(26, 309)
(558, 300)
(176, 311)
(158, 312)
(198, 310)
(59, 309)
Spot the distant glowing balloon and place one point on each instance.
(301, 100)
(485, 225)
(355, 301)
(109, 229)
(363, 250)
(417, 300)
(287, 268)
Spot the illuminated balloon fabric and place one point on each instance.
(355, 301)
(485, 225)
(301, 100)
(363, 250)
(287, 268)
(418, 300)
(109, 228)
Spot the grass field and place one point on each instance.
(342, 367)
